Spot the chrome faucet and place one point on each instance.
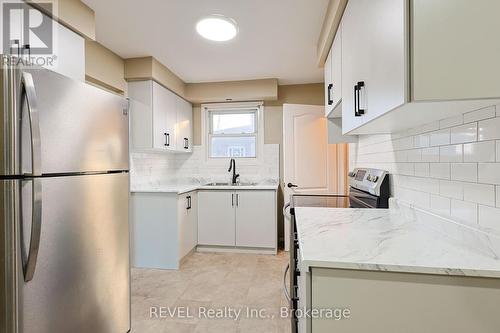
(232, 166)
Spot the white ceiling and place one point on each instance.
(277, 38)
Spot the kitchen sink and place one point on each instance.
(229, 184)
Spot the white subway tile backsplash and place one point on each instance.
(489, 218)
(486, 113)
(479, 152)
(439, 138)
(440, 170)
(421, 199)
(422, 169)
(403, 143)
(479, 193)
(498, 150)
(147, 168)
(414, 155)
(466, 172)
(441, 205)
(498, 196)
(406, 169)
(489, 129)
(428, 127)
(453, 170)
(489, 173)
(464, 211)
(421, 141)
(451, 189)
(452, 121)
(430, 154)
(451, 153)
(464, 133)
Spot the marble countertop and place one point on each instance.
(185, 188)
(388, 240)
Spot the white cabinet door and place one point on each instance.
(328, 84)
(164, 118)
(216, 213)
(455, 56)
(374, 60)
(256, 219)
(355, 41)
(187, 219)
(184, 125)
(336, 75)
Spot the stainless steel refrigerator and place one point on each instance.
(64, 184)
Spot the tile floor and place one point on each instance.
(209, 281)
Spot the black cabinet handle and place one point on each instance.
(356, 101)
(330, 101)
(186, 143)
(188, 202)
(167, 139)
(358, 112)
(290, 185)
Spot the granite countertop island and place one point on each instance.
(390, 240)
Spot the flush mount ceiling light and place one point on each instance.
(217, 28)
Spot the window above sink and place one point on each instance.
(233, 130)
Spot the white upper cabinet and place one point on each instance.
(328, 84)
(391, 82)
(159, 120)
(456, 49)
(184, 126)
(164, 118)
(373, 60)
(333, 78)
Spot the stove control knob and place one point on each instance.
(374, 179)
(351, 174)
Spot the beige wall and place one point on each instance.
(148, 68)
(73, 14)
(331, 23)
(248, 90)
(104, 68)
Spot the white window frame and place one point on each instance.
(206, 109)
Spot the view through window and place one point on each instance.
(233, 133)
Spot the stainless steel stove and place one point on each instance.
(368, 188)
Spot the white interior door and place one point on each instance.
(305, 143)
(311, 165)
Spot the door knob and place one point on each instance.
(290, 185)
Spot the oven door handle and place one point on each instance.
(285, 290)
(285, 213)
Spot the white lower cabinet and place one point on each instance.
(216, 214)
(381, 302)
(243, 219)
(187, 210)
(255, 219)
(163, 228)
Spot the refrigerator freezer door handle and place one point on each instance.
(29, 92)
(36, 228)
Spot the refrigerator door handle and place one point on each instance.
(36, 229)
(28, 91)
